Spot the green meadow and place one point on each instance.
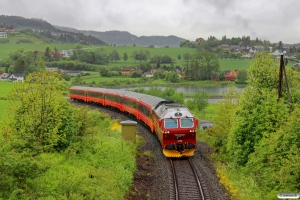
(5, 88)
(6, 48)
(228, 64)
(3, 108)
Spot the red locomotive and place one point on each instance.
(173, 123)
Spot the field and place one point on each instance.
(5, 88)
(6, 48)
(3, 108)
(172, 52)
(230, 64)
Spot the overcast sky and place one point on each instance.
(273, 20)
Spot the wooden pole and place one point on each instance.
(287, 84)
(280, 78)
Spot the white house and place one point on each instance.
(4, 76)
(149, 73)
(72, 72)
(48, 69)
(3, 35)
(17, 77)
(66, 53)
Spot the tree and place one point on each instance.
(242, 76)
(135, 74)
(48, 54)
(203, 65)
(114, 55)
(145, 67)
(260, 113)
(125, 57)
(103, 71)
(66, 76)
(221, 76)
(200, 100)
(158, 74)
(173, 77)
(41, 119)
(179, 57)
(186, 57)
(77, 80)
(56, 54)
(166, 59)
(280, 46)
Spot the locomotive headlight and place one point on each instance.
(192, 131)
(167, 132)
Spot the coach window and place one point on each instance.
(171, 123)
(186, 122)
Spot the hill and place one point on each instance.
(46, 32)
(71, 35)
(126, 38)
(20, 23)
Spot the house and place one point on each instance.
(230, 75)
(57, 54)
(236, 47)
(17, 77)
(229, 78)
(260, 48)
(38, 51)
(149, 73)
(225, 47)
(204, 124)
(4, 76)
(199, 40)
(127, 70)
(66, 53)
(3, 35)
(73, 72)
(55, 69)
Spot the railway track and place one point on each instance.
(189, 173)
(187, 184)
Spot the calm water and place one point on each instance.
(191, 89)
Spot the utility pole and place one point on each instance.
(281, 72)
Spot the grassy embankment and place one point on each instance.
(5, 88)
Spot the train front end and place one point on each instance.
(177, 130)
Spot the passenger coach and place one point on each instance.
(173, 124)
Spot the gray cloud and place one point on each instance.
(269, 19)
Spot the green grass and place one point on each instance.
(3, 108)
(6, 48)
(19, 36)
(208, 113)
(238, 183)
(232, 64)
(5, 88)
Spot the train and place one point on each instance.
(173, 123)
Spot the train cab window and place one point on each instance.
(171, 123)
(186, 122)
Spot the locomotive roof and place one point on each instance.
(151, 100)
(172, 110)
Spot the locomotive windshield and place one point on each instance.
(171, 123)
(186, 122)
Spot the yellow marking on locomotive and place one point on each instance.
(177, 154)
